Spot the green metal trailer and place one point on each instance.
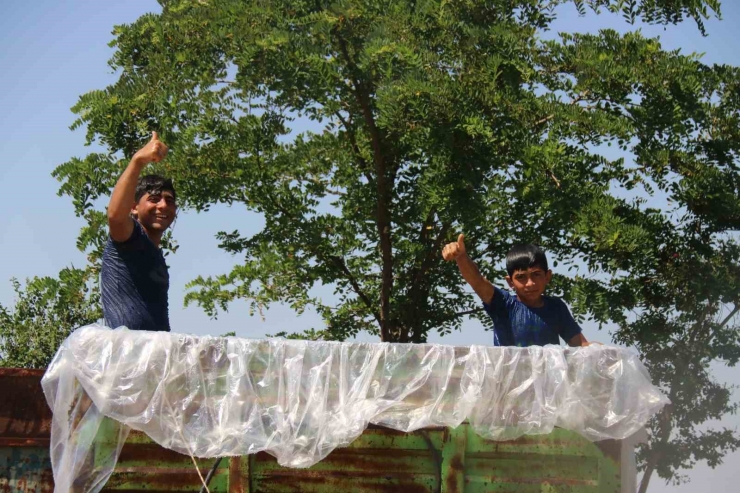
(381, 460)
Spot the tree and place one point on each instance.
(679, 335)
(46, 311)
(424, 119)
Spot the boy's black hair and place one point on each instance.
(153, 184)
(523, 257)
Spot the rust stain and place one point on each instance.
(456, 463)
(551, 481)
(235, 476)
(436, 455)
(381, 459)
(337, 474)
(24, 442)
(24, 414)
(22, 372)
(139, 490)
(154, 489)
(334, 481)
(150, 478)
(456, 468)
(25, 470)
(151, 453)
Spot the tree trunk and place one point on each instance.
(645, 481)
(655, 451)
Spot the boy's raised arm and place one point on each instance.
(456, 251)
(123, 197)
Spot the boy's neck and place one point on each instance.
(154, 236)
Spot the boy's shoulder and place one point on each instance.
(503, 294)
(553, 299)
(510, 297)
(509, 300)
(556, 305)
(138, 241)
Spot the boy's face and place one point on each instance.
(156, 211)
(529, 284)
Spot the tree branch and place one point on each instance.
(433, 252)
(656, 455)
(362, 95)
(353, 142)
(341, 264)
(312, 179)
(553, 177)
(466, 312)
(419, 289)
(730, 316)
(702, 329)
(544, 120)
(724, 322)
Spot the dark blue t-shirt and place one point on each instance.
(516, 324)
(134, 282)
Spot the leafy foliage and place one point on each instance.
(46, 311)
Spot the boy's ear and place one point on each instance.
(509, 282)
(548, 276)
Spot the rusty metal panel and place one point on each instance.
(25, 470)
(25, 419)
(145, 466)
(25, 424)
(380, 460)
(562, 461)
(431, 460)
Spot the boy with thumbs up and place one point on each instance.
(527, 317)
(134, 278)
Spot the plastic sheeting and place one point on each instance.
(299, 400)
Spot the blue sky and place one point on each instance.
(52, 52)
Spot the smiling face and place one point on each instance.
(530, 284)
(156, 211)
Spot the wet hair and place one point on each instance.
(153, 184)
(523, 257)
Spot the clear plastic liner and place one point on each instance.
(299, 400)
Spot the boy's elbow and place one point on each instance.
(578, 341)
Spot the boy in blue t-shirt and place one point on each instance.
(528, 318)
(134, 280)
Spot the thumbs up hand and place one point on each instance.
(452, 251)
(153, 152)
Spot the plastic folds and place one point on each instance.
(299, 400)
